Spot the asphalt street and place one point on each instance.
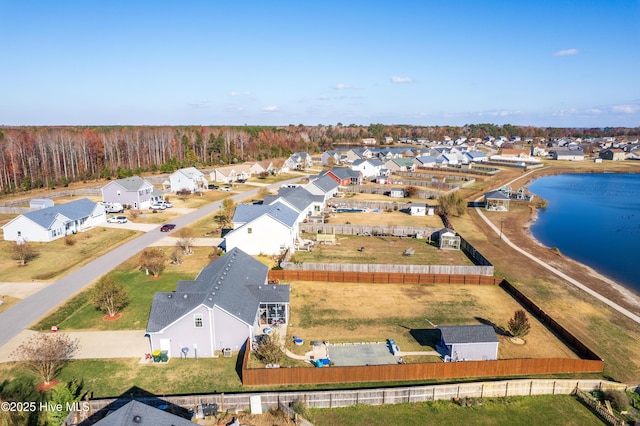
(20, 316)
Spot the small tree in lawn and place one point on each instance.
(153, 260)
(411, 191)
(22, 252)
(519, 325)
(109, 296)
(185, 240)
(46, 354)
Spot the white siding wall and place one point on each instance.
(266, 236)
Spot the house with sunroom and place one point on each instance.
(229, 302)
(50, 223)
(134, 192)
(266, 229)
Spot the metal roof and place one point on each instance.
(468, 334)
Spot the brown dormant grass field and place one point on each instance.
(348, 312)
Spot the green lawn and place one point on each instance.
(535, 410)
(79, 313)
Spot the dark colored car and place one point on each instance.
(167, 227)
(213, 186)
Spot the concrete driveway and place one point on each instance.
(93, 344)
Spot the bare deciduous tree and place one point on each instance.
(185, 240)
(22, 252)
(153, 260)
(45, 354)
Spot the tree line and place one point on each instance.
(47, 157)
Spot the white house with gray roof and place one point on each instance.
(228, 302)
(189, 178)
(468, 343)
(133, 191)
(263, 229)
(325, 186)
(368, 167)
(140, 414)
(51, 223)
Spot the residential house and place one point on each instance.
(345, 176)
(229, 302)
(614, 154)
(325, 186)
(400, 165)
(388, 140)
(425, 161)
(367, 167)
(299, 199)
(50, 223)
(133, 191)
(358, 154)
(566, 155)
(263, 229)
(476, 156)
(140, 414)
(189, 179)
(369, 141)
(325, 158)
(299, 161)
(539, 150)
(259, 167)
(468, 343)
(230, 174)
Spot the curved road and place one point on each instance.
(562, 275)
(34, 307)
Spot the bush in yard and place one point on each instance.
(519, 325)
(109, 296)
(269, 350)
(22, 252)
(619, 400)
(69, 240)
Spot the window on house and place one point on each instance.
(249, 230)
(197, 320)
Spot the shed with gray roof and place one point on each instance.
(228, 302)
(468, 343)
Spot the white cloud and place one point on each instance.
(566, 52)
(341, 86)
(270, 108)
(234, 108)
(323, 98)
(401, 80)
(498, 113)
(626, 109)
(234, 93)
(594, 111)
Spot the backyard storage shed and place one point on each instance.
(448, 239)
(418, 209)
(468, 343)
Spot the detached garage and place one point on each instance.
(468, 343)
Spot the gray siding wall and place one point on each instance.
(474, 351)
(230, 332)
(184, 334)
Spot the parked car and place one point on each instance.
(213, 186)
(113, 207)
(167, 227)
(242, 180)
(117, 219)
(165, 203)
(226, 188)
(157, 206)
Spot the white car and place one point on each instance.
(157, 206)
(226, 188)
(117, 219)
(165, 203)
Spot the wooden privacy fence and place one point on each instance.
(381, 277)
(412, 372)
(374, 230)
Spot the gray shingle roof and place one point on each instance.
(325, 183)
(468, 334)
(496, 195)
(74, 210)
(246, 213)
(236, 282)
(145, 415)
(133, 183)
(299, 197)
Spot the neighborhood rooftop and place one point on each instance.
(468, 334)
(73, 210)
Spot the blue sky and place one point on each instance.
(540, 63)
